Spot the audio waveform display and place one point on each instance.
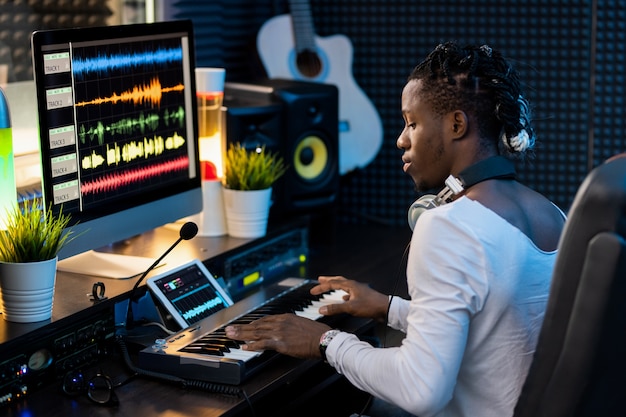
(140, 94)
(203, 310)
(104, 63)
(130, 126)
(113, 181)
(130, 151)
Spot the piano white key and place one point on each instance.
(242, 355)
(309, 313)
(312, 311)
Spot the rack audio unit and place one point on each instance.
(43, 356)
(281, 253)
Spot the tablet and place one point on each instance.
(189, 293)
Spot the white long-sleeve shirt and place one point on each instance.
(478, 290)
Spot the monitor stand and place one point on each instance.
(104, 264)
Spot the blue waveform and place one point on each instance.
(103, 63)
(204, 309)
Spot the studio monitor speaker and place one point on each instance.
(252, 119)
(299, 120)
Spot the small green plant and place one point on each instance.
(251, 169)
(33, 235)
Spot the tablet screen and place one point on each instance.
(189, 293)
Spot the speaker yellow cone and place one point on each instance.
(310, 170)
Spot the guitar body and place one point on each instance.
(360, 127)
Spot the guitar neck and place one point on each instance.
(289, 48)
(303, 30)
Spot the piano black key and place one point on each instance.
(221, 340)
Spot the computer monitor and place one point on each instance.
(117, 130)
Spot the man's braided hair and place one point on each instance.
(479, 81)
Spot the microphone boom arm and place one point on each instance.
(187, 231)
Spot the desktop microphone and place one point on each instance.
(187, 231)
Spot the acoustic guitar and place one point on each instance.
(289, 48)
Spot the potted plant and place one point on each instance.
(248, 179)
(28, 259)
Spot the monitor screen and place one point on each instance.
(117, 126)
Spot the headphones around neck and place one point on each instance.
(490, 168)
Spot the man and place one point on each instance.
(480, 261)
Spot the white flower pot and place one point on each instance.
(27, 290)
(247, 212)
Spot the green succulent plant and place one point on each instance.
(254, 169)
(33, 234)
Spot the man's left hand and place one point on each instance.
(285, 333)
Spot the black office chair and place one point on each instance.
(579, 367)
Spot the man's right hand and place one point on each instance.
(360, 301)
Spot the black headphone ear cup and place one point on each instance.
(495, 167)
(418, 207)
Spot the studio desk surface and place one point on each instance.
(284, 387)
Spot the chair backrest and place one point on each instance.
(579, 367)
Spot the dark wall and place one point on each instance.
(18, 19)
(571, 56)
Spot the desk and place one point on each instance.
(370, 254)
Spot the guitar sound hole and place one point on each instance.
(309, 63)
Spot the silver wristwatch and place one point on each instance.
(325, 340)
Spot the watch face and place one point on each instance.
(325, 340)
(328, 336)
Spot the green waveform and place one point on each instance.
(129, 126)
